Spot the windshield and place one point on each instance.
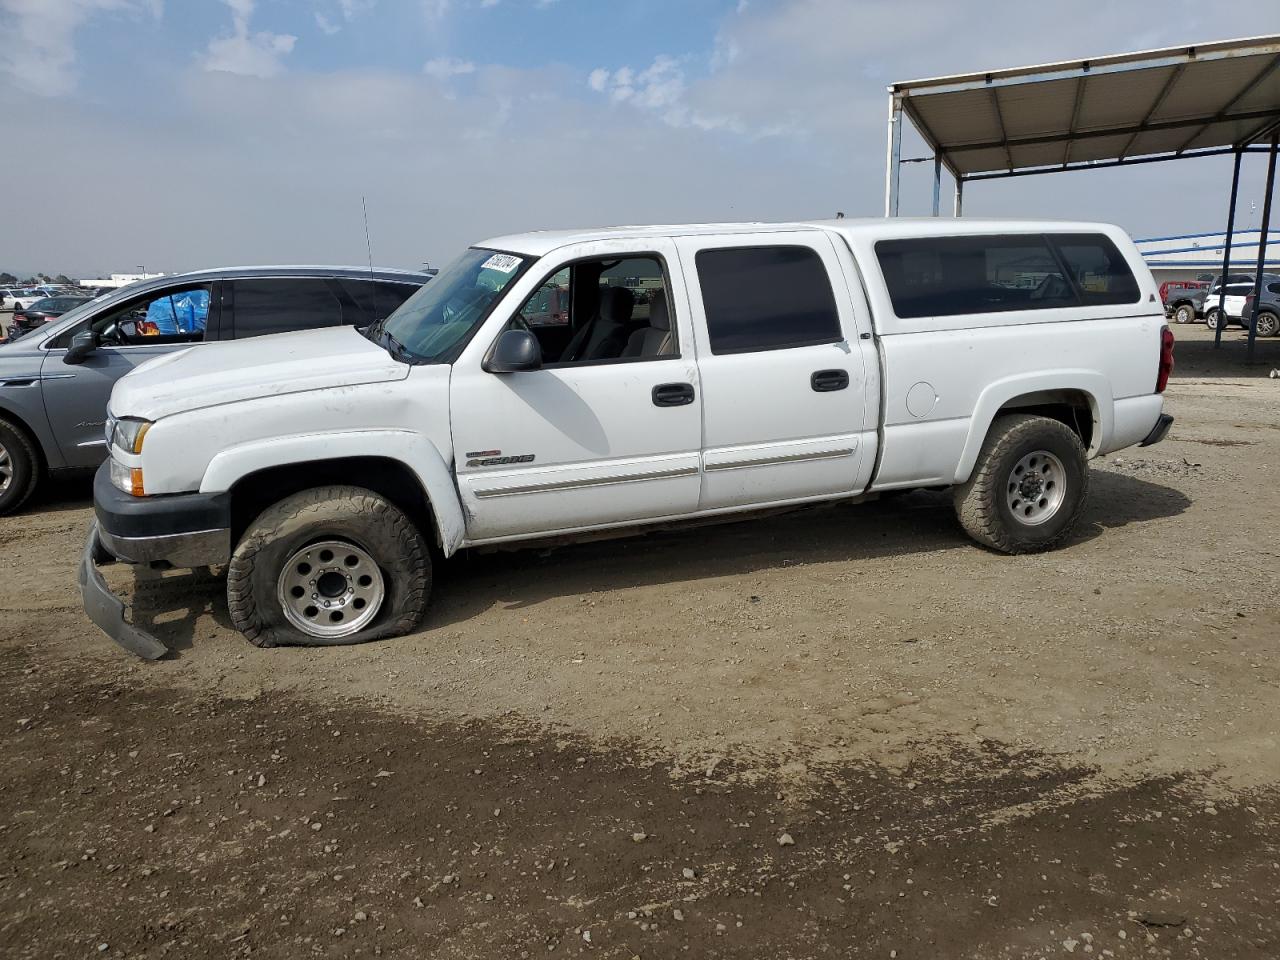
(433, 324)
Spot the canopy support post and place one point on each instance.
(1262, 243)
(895, 156)
(1226, 252)
(959, 196)
(937, 184)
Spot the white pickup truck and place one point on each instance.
(550, 385)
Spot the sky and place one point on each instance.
(180, 134)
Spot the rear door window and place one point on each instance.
(766, 298)
(371, 300)
(282, 304)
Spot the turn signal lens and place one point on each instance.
(128, 479)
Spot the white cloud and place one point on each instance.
(662, 89)
(38, 49)
(249, 54)
(326, 25)
(442, 68)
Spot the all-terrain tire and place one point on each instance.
(19, 464)
(1184, 313)
(982, 502)
(350, 514)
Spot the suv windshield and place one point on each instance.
(433, 324)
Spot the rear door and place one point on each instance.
(786, 415)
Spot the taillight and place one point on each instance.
(19, 318)
(1166, 359)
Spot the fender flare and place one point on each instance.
(1089, 382)
(413, 450)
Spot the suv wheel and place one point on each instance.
(1028, 487)
(19, 468)
(1268, 324)
(1185, 313)
(1213, 319)
(329, 566)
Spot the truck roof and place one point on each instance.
(541, 242)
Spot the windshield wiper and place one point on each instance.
(398, 349)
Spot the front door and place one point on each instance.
(75, 396)
(608, 431)
(783, 371)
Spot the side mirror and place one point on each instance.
(82, 344)
(515, 351)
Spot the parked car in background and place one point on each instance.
(40, 313)
(1238, 293)
(1184, 301)
(772, 365)
(19, 298)
(1170, 287)
(1268, 309)
(54, 382)
(1238, 286)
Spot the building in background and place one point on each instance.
(119, 279)
(1196, 256)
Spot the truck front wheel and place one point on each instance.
(328, 566)
(1028, 488)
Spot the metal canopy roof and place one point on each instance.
(1180, 101)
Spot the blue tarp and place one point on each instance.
(179, 313)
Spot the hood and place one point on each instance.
(226, 372)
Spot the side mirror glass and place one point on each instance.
(82, 344)
(516, 351)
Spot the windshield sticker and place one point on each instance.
(502, 262)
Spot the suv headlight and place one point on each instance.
(128, 433)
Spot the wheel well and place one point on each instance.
(388, 478)
(15, 421)
(1074, 408)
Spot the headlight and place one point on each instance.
(129, 433)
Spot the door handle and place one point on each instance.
(673, 394)
(825, 381)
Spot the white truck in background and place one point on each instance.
(688, 372)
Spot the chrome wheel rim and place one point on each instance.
(331, 589)
(1183, 314)
(6, 468)
(1036, 487)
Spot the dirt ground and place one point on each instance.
(840, 732)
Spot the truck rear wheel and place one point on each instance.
(1185, 313)
(1028, 488)
(329, 566)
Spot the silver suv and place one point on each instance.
(55, 381)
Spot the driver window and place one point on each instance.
(601, 311)
(175, 316)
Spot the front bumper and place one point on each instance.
(105, 609)
(1159, 431)
(182, 530)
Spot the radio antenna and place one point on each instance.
(368, 246)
